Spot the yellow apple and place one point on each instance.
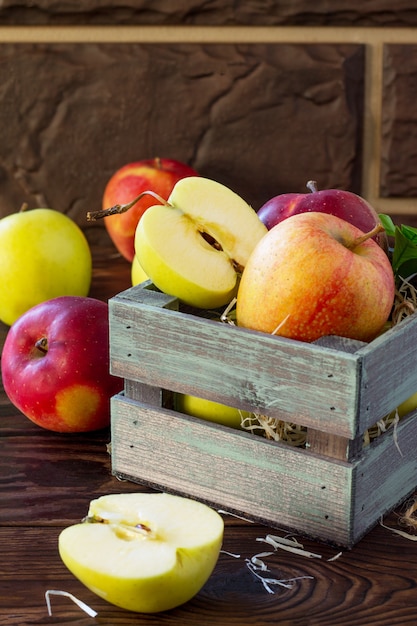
(144, 552)
(407, 406)
(195, 246)
(43, 254)
(315, 274)
(210, 410)
(136, 272)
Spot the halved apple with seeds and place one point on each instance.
(144, 552)
(195, 246)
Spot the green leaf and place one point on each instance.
(404, 256)
(388, 224)
(410, 232)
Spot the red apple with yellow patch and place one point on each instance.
(313, 275)
(157, 175)
(55, 364)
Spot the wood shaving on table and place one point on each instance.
(57, 592)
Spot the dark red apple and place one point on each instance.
(344, 204)
(55, 364)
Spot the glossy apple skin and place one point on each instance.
(68, 387)
(344, 204)
(158, 175)
(302, 281)
(43, 254)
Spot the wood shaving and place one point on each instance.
(255, 565)
(289, 545)
(405, 301)
(56, 592)
(402, 533)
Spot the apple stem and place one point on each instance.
(122, 208)
(312, 186)
(42, 345)
(362, 238)
(24, 207)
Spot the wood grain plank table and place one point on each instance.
(47, 481)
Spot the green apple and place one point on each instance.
(43, 254)
(137, 273)
(144, 552)
(210, 410)
(195, 246)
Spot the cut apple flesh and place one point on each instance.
(144, 552)
(180, 262)
(196, 245)
(220, 212)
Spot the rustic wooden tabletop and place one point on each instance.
(47, 481)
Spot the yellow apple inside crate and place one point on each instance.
(333, 490)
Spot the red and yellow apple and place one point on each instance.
(315, 274)
(157, 175)
(43, 254)
(144, 552)
(344, 204)
(55, 364)
(195, 246)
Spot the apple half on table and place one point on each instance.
(195, 246)
(144, 552)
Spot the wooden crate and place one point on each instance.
(335, 489)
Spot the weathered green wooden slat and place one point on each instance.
(389, 372)
(309, 384)
(386, 474)
(238, 472)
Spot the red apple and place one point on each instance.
(55, 364)
(313, 275)
(344, 204)
(157, 175)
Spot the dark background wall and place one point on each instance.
(261, 95)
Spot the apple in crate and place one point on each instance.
(43, 254)
(195, 246)
(144, 552)
(344, 204)
(315, 274)
(210, 410)
(55, 364)
(128, 182)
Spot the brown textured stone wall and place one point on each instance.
(212, 12)
(399, 122)
(262, 119)
(261, 95)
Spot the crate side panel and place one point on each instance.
(238, 472)
(386, 473)
(389, 372)
(294, 381)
